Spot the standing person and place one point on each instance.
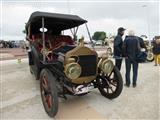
(118, 42)
(131, 49)
(156, 50)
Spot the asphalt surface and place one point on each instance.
(20, 97)
(12, 53)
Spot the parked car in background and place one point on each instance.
(99, 43)
(149, 47)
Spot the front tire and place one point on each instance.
(49, 92)
(110, 86)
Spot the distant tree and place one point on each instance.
(99, 35)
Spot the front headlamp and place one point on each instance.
(73, 70)
(106, 66)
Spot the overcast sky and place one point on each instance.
(141, 16)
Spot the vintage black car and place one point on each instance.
(63, 66)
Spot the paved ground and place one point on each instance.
(12, 53)
(20, 97)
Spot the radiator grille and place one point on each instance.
(88, 64)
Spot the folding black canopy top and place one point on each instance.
(54, 21)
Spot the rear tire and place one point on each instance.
(36, 60)
(49, 93)
(110, 86)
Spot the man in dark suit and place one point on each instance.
(131, 49)
(118, 42)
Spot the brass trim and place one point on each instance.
(70, 64)
(78, 51)
(102, 62)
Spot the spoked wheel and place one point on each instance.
(150, 57)
(49, 92)
(111, 85)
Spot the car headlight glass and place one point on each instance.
(107, 66)
(73, 70)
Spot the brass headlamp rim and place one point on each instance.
(103, 62)
(69, 65)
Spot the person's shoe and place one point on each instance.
(127, 85)
(134, 85)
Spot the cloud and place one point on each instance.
(110, 25)
(107, 16)
(14, 18)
